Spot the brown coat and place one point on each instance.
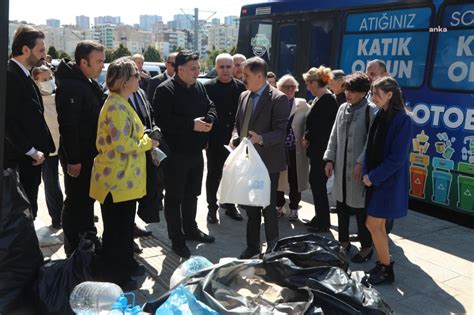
(299, 111)
(269, 120)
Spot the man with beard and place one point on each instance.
(27, 138)
(79, 100)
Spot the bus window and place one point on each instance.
(261, 40)
(398, 37)
(321, 34)
(286, 49)
(453, 67)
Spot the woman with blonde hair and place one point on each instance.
(319, 123)
(295, 179)
(119, 172)
(386, 171)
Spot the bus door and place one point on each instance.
(304, 42)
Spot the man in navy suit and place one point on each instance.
(27, 138)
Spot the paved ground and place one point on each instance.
(433, 258)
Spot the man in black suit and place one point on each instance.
(224, 91)
(27, 138)
(157, 80)
(185, 115)
(262, 116)
(151, 203)
(79, 99)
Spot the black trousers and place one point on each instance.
(78, 210)
(150, 204)
(216, 157)
(270, 215)
(52, 188)
(295, 195)
(183, 177)
(30, 179)
(117, 239)
(343, 219)
(318, 180)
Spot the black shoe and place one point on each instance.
(358, 258)
(200, 237)
(381, 274)
(346, 249)
(136, 248)
(138, 232)
(313, 222)
(128, 285)
(234, 214)
(212, 218)
(55, 226)
(139, 271)
(318, 229)
(249, 252)
(181, 250)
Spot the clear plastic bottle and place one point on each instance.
(93, 297)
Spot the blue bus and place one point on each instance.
(428, 47)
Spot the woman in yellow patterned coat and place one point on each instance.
(119, 172)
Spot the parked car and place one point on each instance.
(153, 67)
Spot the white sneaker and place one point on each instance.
(293, 215)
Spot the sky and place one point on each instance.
(66, 11)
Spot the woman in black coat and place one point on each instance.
(319, 123)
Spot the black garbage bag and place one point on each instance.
(58, 278)
(20, 253)
(310, 250)
(335, 292)
(244, 287)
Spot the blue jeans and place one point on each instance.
(52, 189)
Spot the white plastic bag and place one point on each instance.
(245, 180)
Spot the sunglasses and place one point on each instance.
(289, 87)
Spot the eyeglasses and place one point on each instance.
(289, 87)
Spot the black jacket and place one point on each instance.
(225, 97)
(25, 126)
(319, 121)
(176, 106)
(78, 102)
(153, 84)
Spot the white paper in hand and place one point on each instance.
(245, 179)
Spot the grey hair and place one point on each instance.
(286, 78)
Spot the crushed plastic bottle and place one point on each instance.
(189, 267)
(90, 297)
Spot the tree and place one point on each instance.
(52, 52)
(63, 55)
(109, 55)
(121, 51)
(151, 54)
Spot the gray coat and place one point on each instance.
(351, 124)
